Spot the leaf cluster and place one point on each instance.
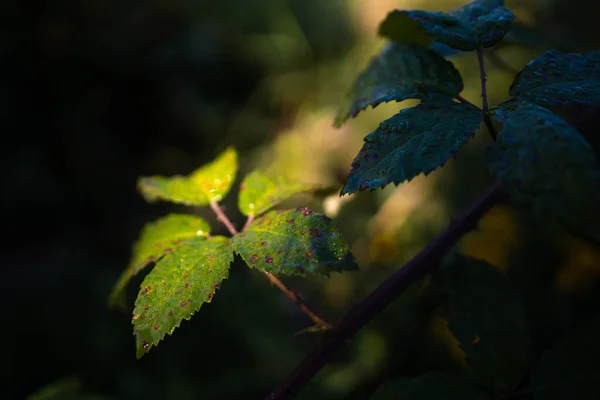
(543, 163)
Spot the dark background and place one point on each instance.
(96, 93)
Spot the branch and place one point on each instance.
(465, 101)
(223, 218)
(272, 278)
(418, 267)
(484, 98)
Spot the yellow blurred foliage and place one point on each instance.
(440, 327)
(492, 241)
(581, 269)
(383, 248)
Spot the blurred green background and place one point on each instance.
(96, 93)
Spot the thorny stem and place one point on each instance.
(465, 101)
(222, 217)
(484, 98)
(423, 263)
(248, 222)
(272, 278)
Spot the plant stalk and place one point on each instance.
(272, 278)
(423, 263)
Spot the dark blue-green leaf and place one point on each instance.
(435, 385)
(481, 23)
(560, 79)
(294, 242)
(399, 72)
(487, 317)
(546, 165)
(570, 369)
(414, 141)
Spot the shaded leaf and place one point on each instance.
(436, 385)
(177, 286)
(570, 369)
(399, 72)
(259, 193)
(210, 182)
(156, 239)
(294, 242)
(488, 318)
(562, 79)
(546, 164)
(66, 387)
(414, 141)
(480, 23)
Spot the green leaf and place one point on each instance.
(157, 239)
(294, 242)
(176, 288)
(562, 79)
(546, 164)
(414, 141)
(400, 27)
(399, 72)
(57, 390)
(488, 318)
(259, 193)
(210, 182)
(480, 23)
(436, 385)
(570, 369)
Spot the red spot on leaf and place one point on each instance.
(268, 259)
(170, 313)
(263, 244)
(156, 327)
(145, 345)
(146, 290)
(183, 303)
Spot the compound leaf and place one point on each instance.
(416, 140)
(399, 72)
(177, 286)
(294, 242)
(562, 79)
(210, 182)
(570, 369)
(156, 239)
(546, 164)
(259, 193)
(433, 385)
(488, 318)
(481, 23)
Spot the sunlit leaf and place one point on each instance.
(177, 286)
(481, 23)
(210, 182)
(294, 242)
(562, 79)
(399, 72)
(436, 385)
(546, 164)
(570, 369)
(156, 239)
(259, 193)
(414, 141)
(487, 317)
